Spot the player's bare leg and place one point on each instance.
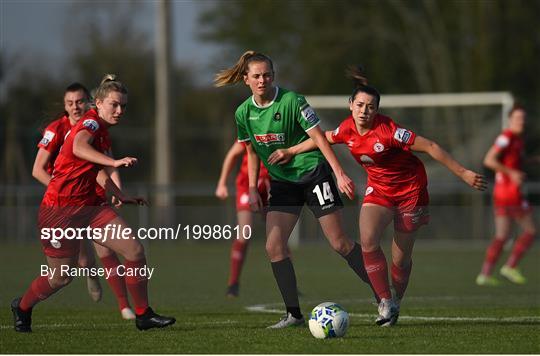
(134, 259)
(87, 260)
(279, 226)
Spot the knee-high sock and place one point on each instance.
(522, 244)
(286, 279)
(356, 262)
(400, 279)
(137, 286)
(238, 255)
(116, 282)
(39, 290)
(493, 253)
(377, 271)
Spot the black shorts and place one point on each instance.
(319, 193)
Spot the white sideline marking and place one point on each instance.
(127, 324)
(263, 308)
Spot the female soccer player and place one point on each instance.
(76, 100)
(243, 210)
(70, 201)
(274, 118)
(505, 159)
(396, 189)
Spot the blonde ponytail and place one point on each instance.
(236, 73)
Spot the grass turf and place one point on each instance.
(443, 312)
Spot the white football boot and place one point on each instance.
(388, 313)
(288, 321)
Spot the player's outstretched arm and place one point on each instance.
(345, 184)
(235, 152)
(84, 150)
(285, 155)
(473, 179)
(105, 181)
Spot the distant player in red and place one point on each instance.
(76, 102)
(396, 189)
(243, 210)
(71, 202)
(505, 158)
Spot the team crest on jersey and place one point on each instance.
(369, 190)
(277, 116)
(378, 147)
(55, 243)
(270, 139)
(47, 137)
(91, 124)
(502, 141)
(309, 115)
(335, 132)
(402, 135)
(366, 159)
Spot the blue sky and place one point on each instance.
(34, 30)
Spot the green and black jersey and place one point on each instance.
(281, 124)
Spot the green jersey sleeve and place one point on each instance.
(242, 133)
(307, 117)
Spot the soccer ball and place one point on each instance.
(328, 320)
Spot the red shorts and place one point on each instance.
(410, 212)
(242, 192)
(508, 201)
(69, 222)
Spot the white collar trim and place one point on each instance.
(267, 105)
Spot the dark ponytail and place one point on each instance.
(357, 74)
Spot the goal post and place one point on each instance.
(503, 99)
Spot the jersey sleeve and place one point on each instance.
(306, 116)
(338, 135)
(401, 137)
(501, 142)
(242, 134)
(90, 125)
(51, 140)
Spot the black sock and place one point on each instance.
(356, 262)
(286, 280)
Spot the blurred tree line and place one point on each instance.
(417, 46)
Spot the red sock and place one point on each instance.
(492, 255)
(137, 286)
(238, 254)
(522, 244)
(377, 271)
(39, 290)
(116, 282)
(400, 279)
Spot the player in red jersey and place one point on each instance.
(505, 158)
(76, 100)
(243, 210)
(396, 189)
(70, 202)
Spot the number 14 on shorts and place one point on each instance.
(325, 194)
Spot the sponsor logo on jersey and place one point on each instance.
(369, 190)
(309, 115)
(91, 124)
(378, 147)
(252, 118)
(277, 116)
(47, 137)
(270, 139)
(402, 135)
(366, 159)
(502, 141)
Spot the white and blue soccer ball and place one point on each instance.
(328, 320)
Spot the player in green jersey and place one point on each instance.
(275, 118)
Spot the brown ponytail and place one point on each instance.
(236, 73)
(357, 74)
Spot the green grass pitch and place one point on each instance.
(443, 312)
